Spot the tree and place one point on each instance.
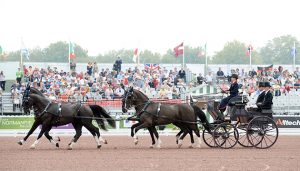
(233, 53)
(278, 50)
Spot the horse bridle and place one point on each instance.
(132, 100)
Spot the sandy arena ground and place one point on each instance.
(121, 154)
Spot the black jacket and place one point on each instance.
(234, 90)
(268, 101)
(261, 97)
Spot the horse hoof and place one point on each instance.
(57, 145)
(57, 139)
(158, 146)
(32, 147)
(20, 143)
(105, 142)
(136, 142)
(70, 148)
(98, 146)
(191, 146)
(151, 146)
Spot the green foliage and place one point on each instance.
(233, 53)
(278, 50)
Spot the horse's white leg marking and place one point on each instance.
(97, 140)
(179, 143)
(102, 140)
(158, 143)
(199, 142)
(34, 144)
(71, 145)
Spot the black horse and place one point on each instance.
(151, 114)
(49, 114)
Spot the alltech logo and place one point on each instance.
(288, 122)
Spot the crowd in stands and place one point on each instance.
(102, 83)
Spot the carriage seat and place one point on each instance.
(239, 101)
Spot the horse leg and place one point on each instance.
(78, 129)
(197, 132)
(50, 138)
(94, 131)
(178, 135)
(133, 127)
(45, 127)
(157, 137)
(33, 127)
(185, 132)
(152, 137)
(136, 129)
(192, 138)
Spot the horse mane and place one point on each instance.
(42, 98)
(36, 91)
(142, 94)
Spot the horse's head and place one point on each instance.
(26, 102)
(128, 99)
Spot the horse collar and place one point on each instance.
(45, 110)
(144, 108)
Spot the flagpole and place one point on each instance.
(294, 59)
(69, 57)
(250, 55)
(205, 71)
(21, 56)
(183, 56)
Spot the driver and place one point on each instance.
(233, 91)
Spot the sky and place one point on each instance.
(100, 26)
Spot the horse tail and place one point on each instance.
(202, 117)
(100, 112)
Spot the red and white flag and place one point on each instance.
(178, 50)
(249, 50)
(135, 55)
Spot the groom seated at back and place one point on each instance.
(264, 102)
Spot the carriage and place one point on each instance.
(239, 126)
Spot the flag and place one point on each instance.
(135, 55)
(25, 52)
(72, 54)
(249, 50)
(293, 52)
(268, 68)
(151, 66)
(202, 53)
(178, 50)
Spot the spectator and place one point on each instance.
(118, 64)
(2, 81)
(119, 92)
(220, 73)
(209, 78)
(89, 68)
(19, 75)
(182, 75)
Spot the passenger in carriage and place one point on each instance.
(264, 102)
(233, 91)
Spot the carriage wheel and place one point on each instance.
(262, 132)
(208, 139)
(226, 135)
(243, 140)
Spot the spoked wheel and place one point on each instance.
(243, 140)
(208, 138)
(262, 132)
(226, 135)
